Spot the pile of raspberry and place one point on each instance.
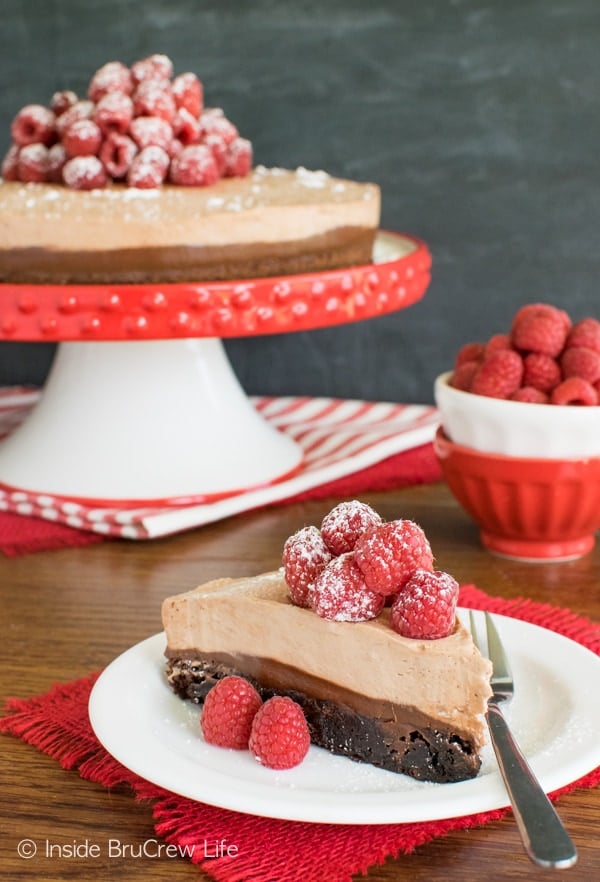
(356, 564)
(140, 126)
(235, 716)
(545, 358)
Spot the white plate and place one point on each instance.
(555, 716)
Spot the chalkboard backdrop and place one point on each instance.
(479, 119)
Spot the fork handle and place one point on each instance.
(545, 839)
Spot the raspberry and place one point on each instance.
(174, 148)
(77, 111)
(84, 173)
(195, 166)
(345, 523)
(499, 375)
(585, 333)
(57, 156)
(83, 138)
(114, 113)
(340, 593)
(117, 154)
(305, 555)
(228, 712)
(280, 737)
(219, 150)
(111, 77)
(469, 352)
(154, 67)
(61, 101)
(575, 391)
(33, 124)
(149, 168)
(540, 333)
(188, 93)
(239, 158)
(186, 127)
(462, 375)
(532, 310)
(426, 607)
(578, 361)
(388, 555)
(495, 343)
(154, 98)
(10, 164)
(32, 163)
(541, 371)
(151, 131)
(530, 395)
(214, 122)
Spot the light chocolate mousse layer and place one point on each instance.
(412, 706)
(272, 222)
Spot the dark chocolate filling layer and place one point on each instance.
(340, 248)
(392, 737)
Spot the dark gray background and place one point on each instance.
(480, 120)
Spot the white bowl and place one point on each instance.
(515, 428)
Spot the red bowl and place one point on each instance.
(530, 509)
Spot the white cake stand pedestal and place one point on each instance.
(149, 421)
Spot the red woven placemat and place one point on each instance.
(57, 723)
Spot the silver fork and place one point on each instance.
(545, 839)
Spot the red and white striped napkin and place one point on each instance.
(338, 437)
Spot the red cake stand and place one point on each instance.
(141, 403)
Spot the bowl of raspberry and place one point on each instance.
(519, 440)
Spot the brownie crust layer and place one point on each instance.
(397, 739)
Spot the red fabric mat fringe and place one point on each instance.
(57, 723)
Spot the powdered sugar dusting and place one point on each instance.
(35, 151)
(126, 194)
(304, 557)
(316, 179)
(345, 523)
(216, 202)
(84, 172)
(38, 113)
(340, 594)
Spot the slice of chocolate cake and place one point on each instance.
(408, 705)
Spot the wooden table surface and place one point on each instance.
(69, 612)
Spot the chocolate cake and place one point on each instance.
(138, 182)
(406, 705)
(270, 222)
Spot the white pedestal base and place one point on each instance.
(144, 421)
